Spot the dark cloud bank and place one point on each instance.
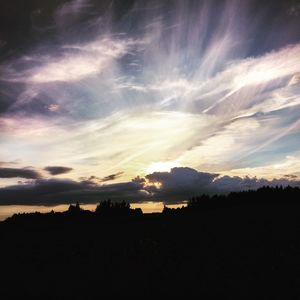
(170, 187)
(19, 172)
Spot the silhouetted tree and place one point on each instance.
(107, 207)
(74, 209)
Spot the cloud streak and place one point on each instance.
(79, 62)
(111, 177)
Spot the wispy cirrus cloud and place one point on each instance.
(74, 62)
(213, 89)
(68, 12)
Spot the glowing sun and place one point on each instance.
(161, 166)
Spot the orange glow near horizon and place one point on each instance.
(147, 207)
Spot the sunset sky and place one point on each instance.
(147, 100)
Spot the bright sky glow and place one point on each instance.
(112, 96)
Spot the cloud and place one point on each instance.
(19, 172)
(5, 163)
(96, 180)
(78, 61)
(183, 183)
(69, 12)
(58, 191)
(56, 170)
(272, 167)
(53, 107)
(294, 10)
(112, 177)
(213, 89)
(291, 176)
(175, 186)
(181, 180)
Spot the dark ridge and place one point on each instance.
(244, 245)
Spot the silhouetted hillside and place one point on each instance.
(244, 245)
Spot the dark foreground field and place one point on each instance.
(248, 248)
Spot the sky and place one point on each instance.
(147, 100)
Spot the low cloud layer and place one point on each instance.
(183, 183)
(175, 186)
(62, 191)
